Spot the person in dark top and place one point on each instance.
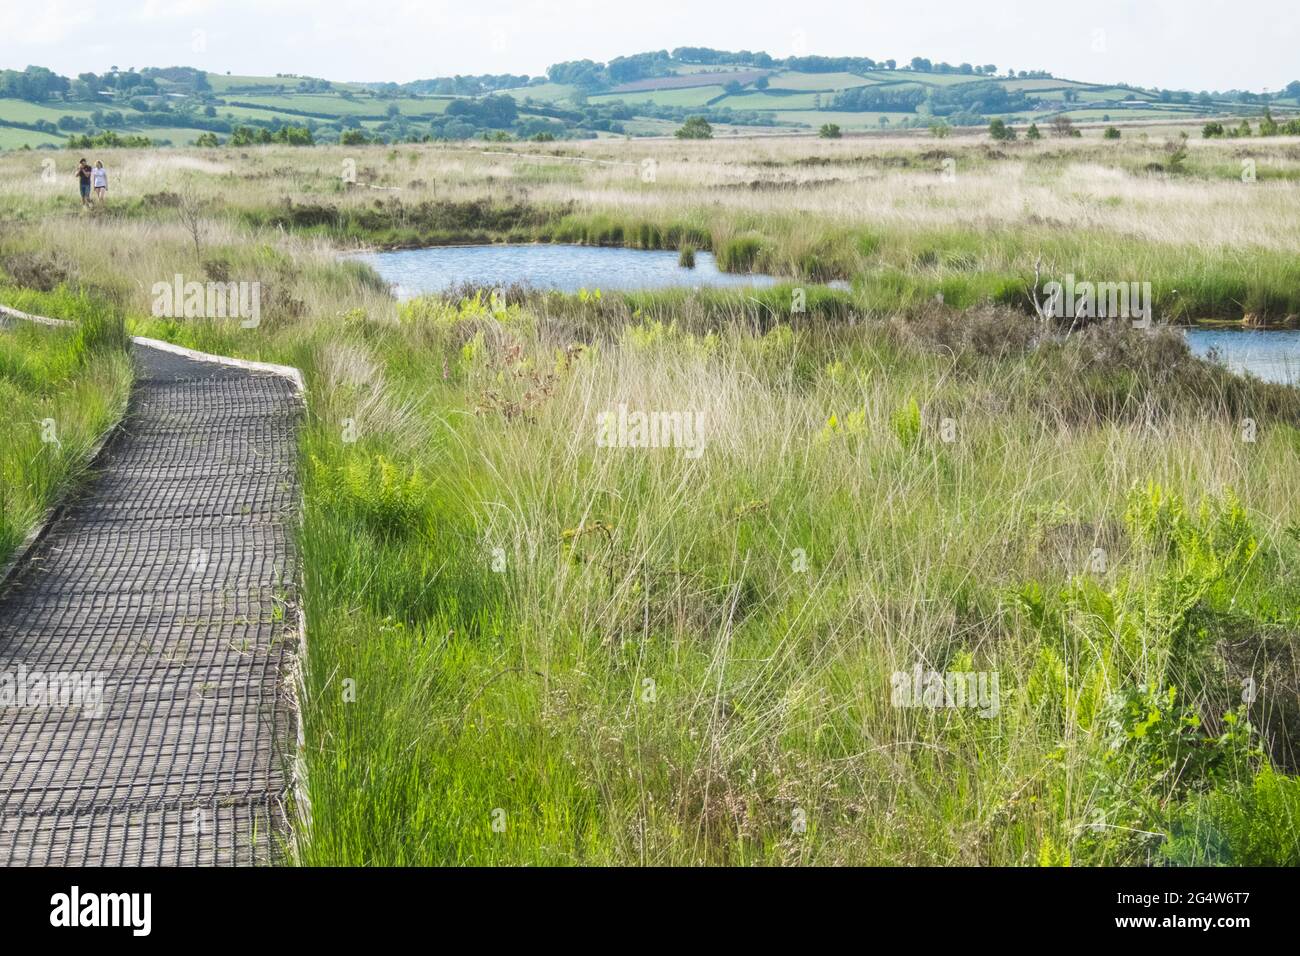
(83, 174)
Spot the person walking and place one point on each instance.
(83, 174)
(99, 180)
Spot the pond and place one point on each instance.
(414, 272)
(1272, 355)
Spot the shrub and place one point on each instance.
(1001, 132)
(40, 270)
(1112, 132)
(829, 131)
(1176, 162)
(1063, 127)
(1158, 754)
(696, 127)
(1255, 824)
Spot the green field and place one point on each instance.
(323, 103)
(21, 111)
(848, 121)
(542, 92)
(11, 138)
(933, 79)
(773, 101)
(790, 80)
(690, 96)
(266, 103)
(1129, 114)
(221, 83)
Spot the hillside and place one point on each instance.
(643, 95)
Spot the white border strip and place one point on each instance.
(38, 319)
(285, 371)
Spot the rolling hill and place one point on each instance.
(647, 94)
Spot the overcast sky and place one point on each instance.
(1191, 44)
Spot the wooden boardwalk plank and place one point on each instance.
(164, 597)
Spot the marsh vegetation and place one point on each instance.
(525, 647)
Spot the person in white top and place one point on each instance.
(99, 179)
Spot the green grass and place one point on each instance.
(639, 677)
(61, 389)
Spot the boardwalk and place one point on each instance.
(169, 583)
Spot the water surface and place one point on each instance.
(414, 272)
(1272, 355)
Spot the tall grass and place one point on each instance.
(61, 389)
(625, 655)
(527, 648)
(886, 214)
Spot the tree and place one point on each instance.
(207, 141)
(293, 136)
(1063, 127)
(1212, 131)
(695, 127)
(1001, 132)
(1111, 133)
(1292, 90)
(829, 131)
(353, 137)
(1033, 132)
